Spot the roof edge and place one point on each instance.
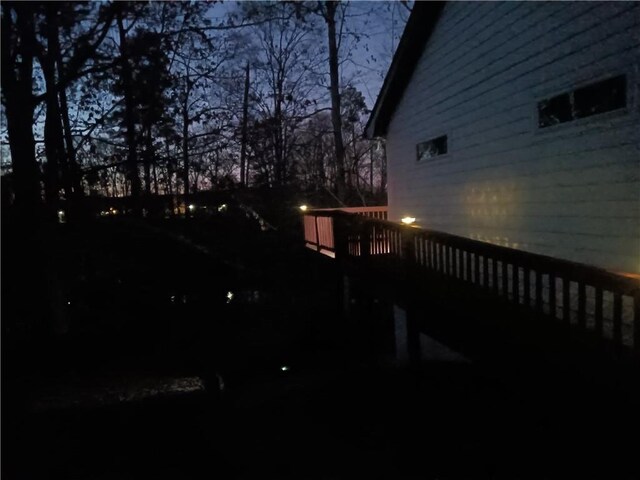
(422, 21)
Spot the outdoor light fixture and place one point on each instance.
(192, 207)
(408, 220)
(222, 207)
(284, 368)
(229, 297)
(61, 216)
(303, 208)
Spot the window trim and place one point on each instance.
(571, 87)
(436, 157)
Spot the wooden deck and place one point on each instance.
(414, 264)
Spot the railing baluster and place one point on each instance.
(485, 270)
(476, 267)
(617, 318)
(566, 300)
(427, 253)
(582, 300)
(467, 256)
(505, 280)
(538, 291)
(454, 262)
(599, 327)
(552, 295)
(515, 283)
(526, 294)
(494, 265)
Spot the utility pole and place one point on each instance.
(244, 174)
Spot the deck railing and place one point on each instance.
(583, 297)
(318, 226)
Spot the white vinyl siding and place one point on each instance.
(570, 190)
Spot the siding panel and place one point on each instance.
(571, 190)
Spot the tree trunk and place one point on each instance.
(132, 154)
(185, 146)
(371, 187)
(169, 168)
(245, 118)
(155, 179)
(336, 120)
(277, 136)
(56, 167)
(17, 78)
(72, 164)
(148, 156)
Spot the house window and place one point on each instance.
(432, 148)
(583, 102)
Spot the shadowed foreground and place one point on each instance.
(161, 375)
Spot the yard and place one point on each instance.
(211, 346)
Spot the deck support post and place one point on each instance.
(411, 297)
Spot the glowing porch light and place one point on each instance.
(303, 208)
(408, 220)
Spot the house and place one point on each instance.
(518, 124)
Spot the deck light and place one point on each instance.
(408, 220)
(303, 208)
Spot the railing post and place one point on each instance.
(636, 322)
(412, 298)
(340, 238)
(341, 246)
(366, 230)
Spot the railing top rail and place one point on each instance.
(350, 209)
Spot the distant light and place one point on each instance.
(192, 207)
(408, 220)
(60, 212)
(284, 368)
(68, 303)
(303, 208)
(222, 207)
(229, 297)
(61, 216)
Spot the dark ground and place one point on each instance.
(128, 383)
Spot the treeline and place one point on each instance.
(136, 99)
